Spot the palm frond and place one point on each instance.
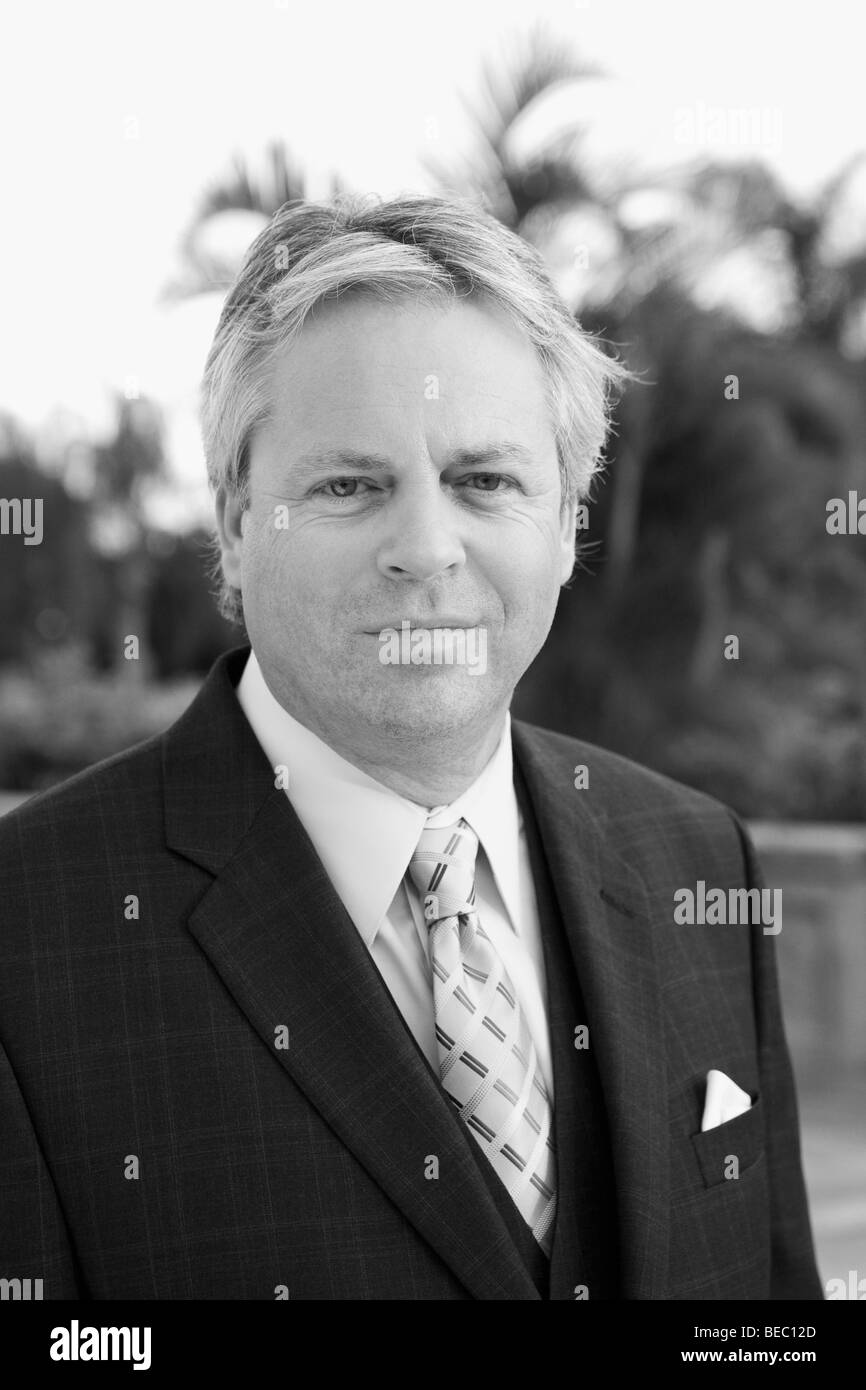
(245, 189)
(511, 186)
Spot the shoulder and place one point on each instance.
(614, 776)
(104, 803)
(633, 804)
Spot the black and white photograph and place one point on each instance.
(432, 665)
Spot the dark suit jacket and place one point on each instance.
(164, 917)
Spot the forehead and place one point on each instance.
(440, 362)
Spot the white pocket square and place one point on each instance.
(725, 1100)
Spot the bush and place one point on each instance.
(60, 716)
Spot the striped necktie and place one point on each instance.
(487, 1059)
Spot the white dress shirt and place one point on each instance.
(365, 835)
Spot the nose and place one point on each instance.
(422, 534)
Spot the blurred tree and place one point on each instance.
(207, 263)
(123, 469)
(513, 186)
(185, 629)
(46, 590)
(753, 210)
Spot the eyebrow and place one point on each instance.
(377, 463)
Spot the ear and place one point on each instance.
(229, 521)
(567, 524)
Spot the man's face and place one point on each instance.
(408, 473)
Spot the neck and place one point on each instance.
(428, 776)
(430, 770)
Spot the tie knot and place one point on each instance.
(443, 870)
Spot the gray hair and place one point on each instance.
(418, 247)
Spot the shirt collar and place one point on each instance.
(365, 833)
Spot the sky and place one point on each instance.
(115, 116)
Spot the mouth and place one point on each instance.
(427, 624)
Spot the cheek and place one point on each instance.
(267, 566)
(525, 570)
(276, 551)
(294, 579)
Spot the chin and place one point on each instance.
(420, 712)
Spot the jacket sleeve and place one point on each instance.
(794, 1273)
(34, 1241)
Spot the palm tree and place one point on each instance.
(258, 192)
(512, 187)
(755, 210)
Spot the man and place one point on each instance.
(347, 987)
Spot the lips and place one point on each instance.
(447, 621)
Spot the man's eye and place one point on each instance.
(349, 484)
(485, 479)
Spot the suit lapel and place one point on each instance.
(605, 913)
(585, 1254)
(274, 928)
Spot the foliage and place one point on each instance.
(60, 716)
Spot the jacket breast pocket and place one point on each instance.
(740, 1139)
